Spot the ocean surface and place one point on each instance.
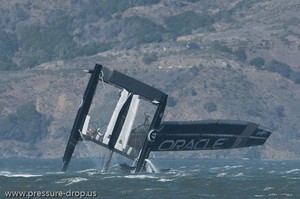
(37, 178)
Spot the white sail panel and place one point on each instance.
(121, 144)
(114, 117)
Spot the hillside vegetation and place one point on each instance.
(230, 59)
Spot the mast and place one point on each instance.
(153, 128)
(81, 115)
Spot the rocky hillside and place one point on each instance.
(231, 59)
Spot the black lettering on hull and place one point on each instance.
(191, 144)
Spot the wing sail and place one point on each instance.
(208, 135)
(113, 120)
(122, 141)
(128, 130)
(81, 116)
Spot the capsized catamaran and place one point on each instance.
(134, 133)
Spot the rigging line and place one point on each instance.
(119, 106)
(91, 152)
(104, 87)
(95, 123)
(107, 106)
(118, 93)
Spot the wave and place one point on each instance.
(238, 174)
(292, 171)
(142, 176)
(55, 172)
(24, 175)
(133, 176)
(268, 188)
(226, 167)
(221, 175)
(69, 181)
(165, 180)
(280, 194)
(153, 189)
(182, 174)
(86, 171)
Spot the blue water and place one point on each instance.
(186, 179)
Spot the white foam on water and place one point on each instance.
(69, 181)
(111, 177)
(94, 173)
(153, 189)
(165, 180)
(238, 174)
(173, 171)
(182, 174)
(5, 173)
(281, 194)
(227, 167)
(292, 171)
(55, 172)
(268, 188)
(24, 175)
(132, 176)
(142, 176)
(259, 196)
(221, 175)
(286, 195)
(214, 168)
(195, 170)
(86, 171)
(150, 167)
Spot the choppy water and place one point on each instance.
(186, 179)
